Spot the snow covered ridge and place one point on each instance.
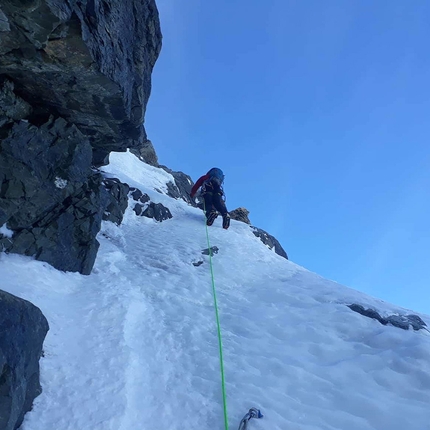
(173, 184)
(133, 345)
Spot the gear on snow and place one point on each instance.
(252, 413)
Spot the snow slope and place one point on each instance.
(134, 346)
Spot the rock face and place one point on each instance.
(145, 207)
(240, 214)
(400, 321)
(75, 77)
(153, 210)
(210, 251)
(118, 200)
(49, 195)
(181, 189)
(23, 329)
(270, 241)
(88, 61)
(12, 107)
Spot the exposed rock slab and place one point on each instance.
(401, 321)
(75, 77)
(181, 189)
(88, 61)
(240, 214)
(49, 196)
(138, 196)
(157, 211)
(270, 241)
(22, 331)
(117, 200)
(12, 107)
(210, 251)
(145, 207)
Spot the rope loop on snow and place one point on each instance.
(221, 360)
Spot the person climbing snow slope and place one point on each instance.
(212, 193)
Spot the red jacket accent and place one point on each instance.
(198, 184)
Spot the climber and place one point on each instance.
(212, 193)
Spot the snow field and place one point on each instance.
(134, 344)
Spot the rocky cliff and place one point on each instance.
(23, 329)
(75, 77)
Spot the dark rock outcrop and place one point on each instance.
(12, 107)
(210, 251)
(400, 321)
(23, 329)
(138, 196)
(153, 210)
(75, 77)
(88, 61)
(198, 263)
(138, 209)
(181, 189)
(49, 196)
(240, 214)
(270, 241)
(117, 200)
(145, 207)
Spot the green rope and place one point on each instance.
(221, 361)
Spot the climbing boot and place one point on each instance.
(211, 218)
(226, 221)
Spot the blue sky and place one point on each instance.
(318, 114)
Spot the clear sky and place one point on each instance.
(318, 114)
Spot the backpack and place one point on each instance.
(214, 183)
(216, 175)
